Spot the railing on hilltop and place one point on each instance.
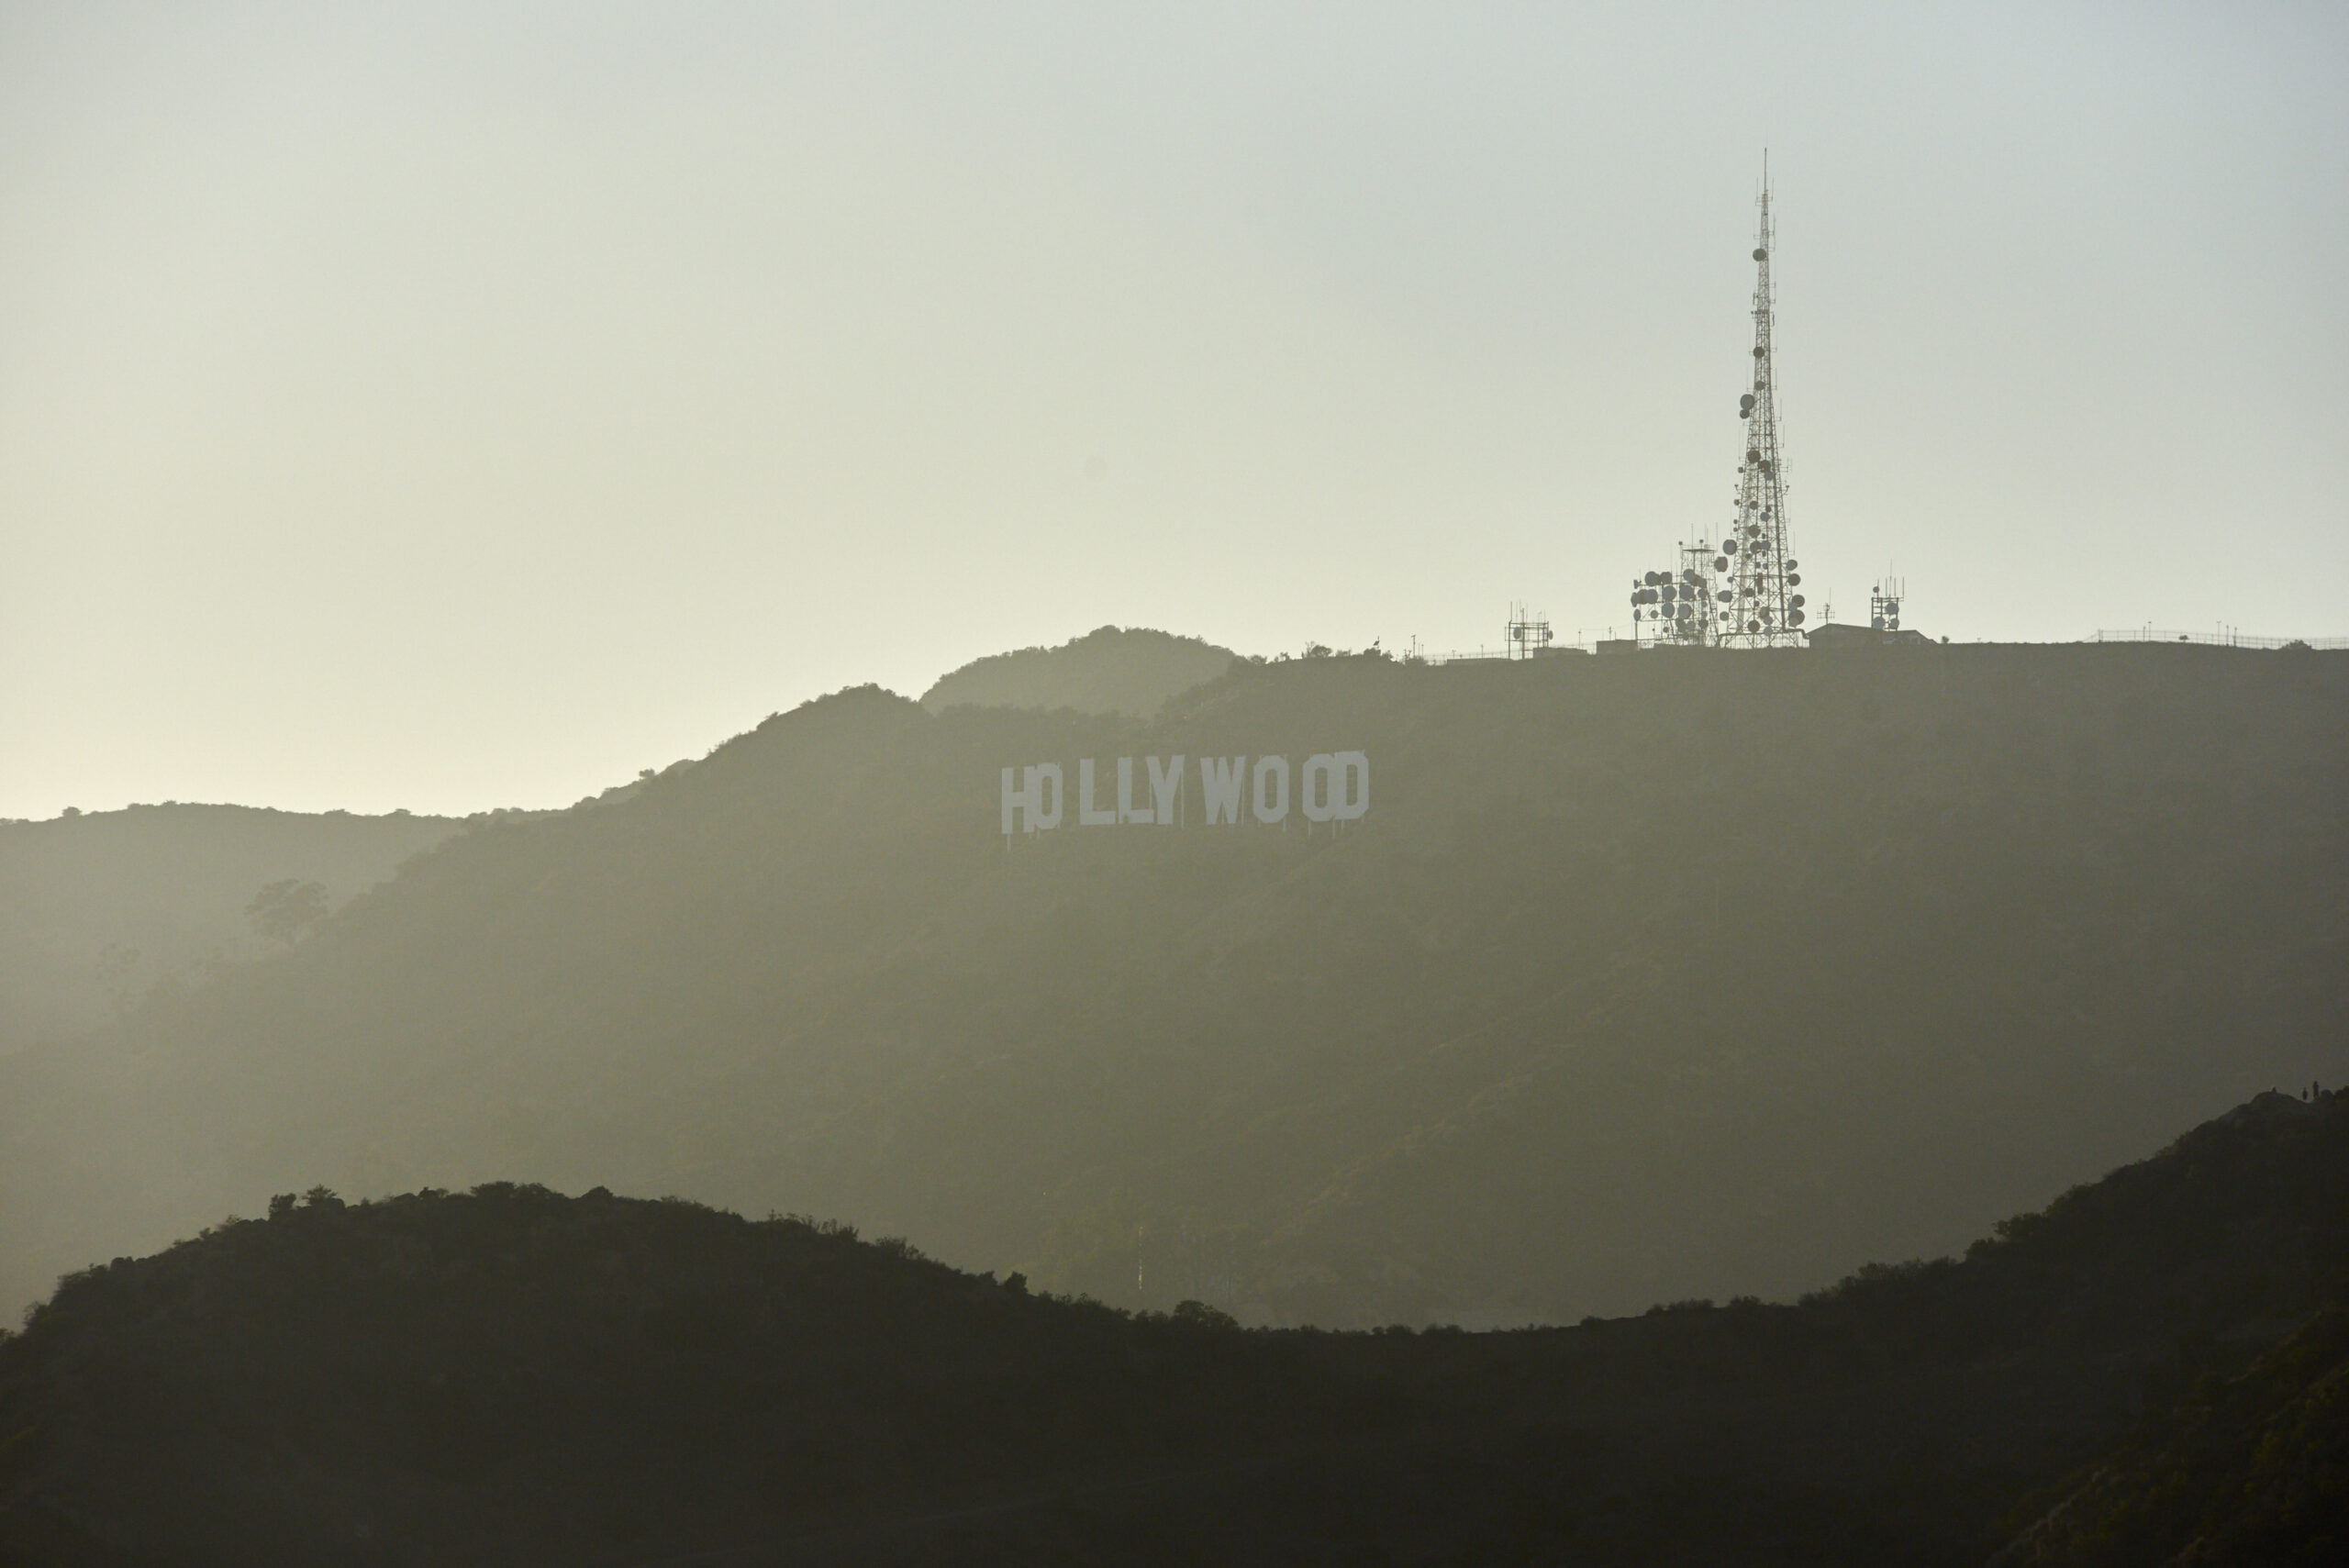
(2226, 637)
(1469, 656)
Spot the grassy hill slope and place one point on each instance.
(96, 910)
(516, 1377)
(1642, 979)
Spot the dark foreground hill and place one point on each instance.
(516, 1377)
(98, 909)
(1130, 670)
(1638, 979)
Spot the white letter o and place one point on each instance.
(1274, 769)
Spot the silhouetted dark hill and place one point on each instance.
(98, 909)
(1641, 979)
(2252, 1471)
(1110, 671)
(516, 1377)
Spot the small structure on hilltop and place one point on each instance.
(1528, 634)
(1833, 636)
(1884, 628)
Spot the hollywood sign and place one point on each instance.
(1332, 786)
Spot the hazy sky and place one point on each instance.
(454, 406)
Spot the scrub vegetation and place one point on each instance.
(2153, 1365)
(1644, 978)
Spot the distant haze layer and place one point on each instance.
(1641, 977)
(457, 407)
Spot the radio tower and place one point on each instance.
(1757, 606)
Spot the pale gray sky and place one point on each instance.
(461, 405)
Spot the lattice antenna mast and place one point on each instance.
(1757, 606)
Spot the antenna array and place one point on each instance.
(1758, 605)
(1677, 606)
(1526, 634)
(1743, 593)
(1884, 604)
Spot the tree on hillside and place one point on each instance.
(286, 911)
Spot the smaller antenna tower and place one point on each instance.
(1528, 633)
(1884, 604)
(1674, 606)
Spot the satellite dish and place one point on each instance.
(1876, 623)
(1669, 591)
(1725, 595)
(1793, 576)
(1720, 562)
(1794, 617)
(1682, 613)
(1759, 255)
(1798, 601)
(1729, 547)
(1792, 564)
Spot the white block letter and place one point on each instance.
(1013, 798)
(1272, 805)
(1087, 817)
(1220, 782)
(1322, 768)
(1350, 795)
(1164, 785)
(1127, 810)
(1040, 819)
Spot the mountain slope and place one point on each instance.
(2253, 1470)
(516, 1377)
(1641, 979)
(98, 908)
(1130, 671)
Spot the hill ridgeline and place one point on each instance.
(98, 909)
(1634, 979)
(1130, 671)
(2154, 1361)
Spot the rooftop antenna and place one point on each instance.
(1758, 606)
(1528, 633)
(1884, 603)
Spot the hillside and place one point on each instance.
(2252, 1471)
(516, 1377)
(1641, 979)
(1130, 671)
(98, 909)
